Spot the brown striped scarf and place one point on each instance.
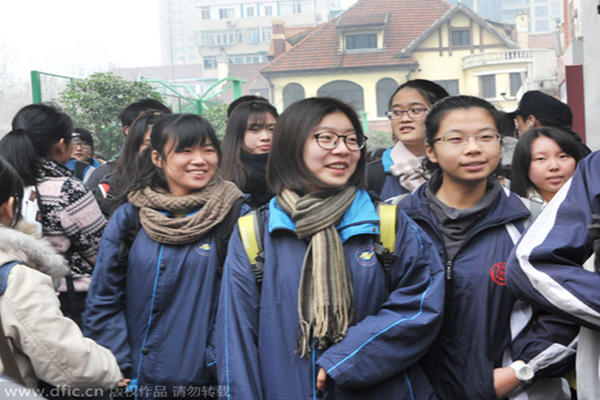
(325, 296)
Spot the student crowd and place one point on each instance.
(451, 266)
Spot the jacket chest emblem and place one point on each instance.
(498, 273)
(203, 248)
(365, 255)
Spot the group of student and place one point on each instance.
(324, 309)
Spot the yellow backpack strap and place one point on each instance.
(387, 225)
(247, 227)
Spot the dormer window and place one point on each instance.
(360, 33)
(361, 41)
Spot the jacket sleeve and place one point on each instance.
(408, 322)
(237, 326)
(104, 318)
(546, 266)
(58, 352)
(81, 219)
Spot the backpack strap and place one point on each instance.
(386, 245)
(223, 231)
(79, 170)
(6, 355)
(132, 229)
(376, 176)
(4, 271)
(251, 229)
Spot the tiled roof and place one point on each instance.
(320, 50)
(346, 21)
(255, 82)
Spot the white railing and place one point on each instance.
(502, 57)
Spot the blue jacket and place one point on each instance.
(485, 327)
(391, 185)
(154, 315)
(256, 332)
(547, 266)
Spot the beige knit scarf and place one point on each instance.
(325, 296)
(214, 202)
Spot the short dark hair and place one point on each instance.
(36, 129)
(286, 168)
(11, 187)
(244, 99)
(443, 107)
(133, 110)
(233, 142)
(520, 182)
(185, 130)
(431, 91)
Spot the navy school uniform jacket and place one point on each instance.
(546, 267)
(485, 327)
(256, 332)
(391, 185)
(155, 314)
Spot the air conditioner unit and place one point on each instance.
(230, 23)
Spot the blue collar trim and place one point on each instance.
(386, 159)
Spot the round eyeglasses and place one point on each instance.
(330, 140)
(458, 139)
(417, 112)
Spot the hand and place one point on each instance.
(505, 381)
(321, 378)
(123, 382)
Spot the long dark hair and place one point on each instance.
(11, 187)
(286, 168)
(126, 165)
(519, 172)
(184, 130)
(36, 129)
(251, 112)
(442, 108)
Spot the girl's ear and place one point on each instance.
(430, 153)
(6, 212)
(156, 158)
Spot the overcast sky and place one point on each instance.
(77, 37)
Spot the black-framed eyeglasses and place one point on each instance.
(458, 139)
(78, 142)
(415, 112)
(330, 140)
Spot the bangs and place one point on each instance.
(258, 118)
(189, 132)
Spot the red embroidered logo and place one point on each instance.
(498, 273)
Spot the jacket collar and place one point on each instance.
(508, 208)
(361, 218)
(386, 159)
(51, 169)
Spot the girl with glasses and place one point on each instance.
(400, 171)
(328, 320)
(490, 345)
(246, 148)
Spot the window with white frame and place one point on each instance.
(225, 13)
(515, 83)
(461, 37)
(250, 12)
(361, 41)
(268, 10)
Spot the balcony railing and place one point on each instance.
(502, 57)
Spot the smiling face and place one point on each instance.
(410, 131)
(333, 168)
(257, 137)
(188, 169)
(471, 162)
(551, 167)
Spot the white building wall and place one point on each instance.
(591, 71)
